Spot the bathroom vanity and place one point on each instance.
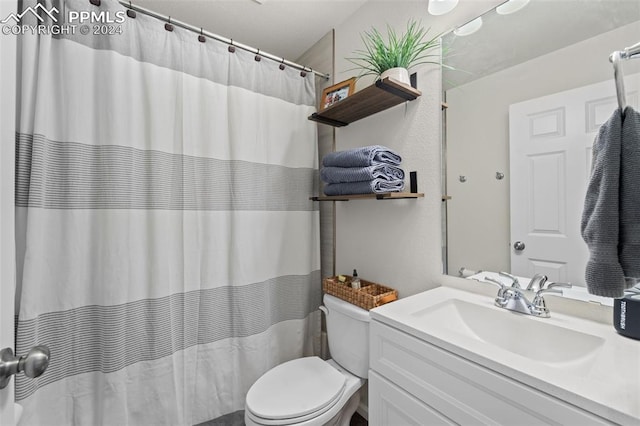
(448, 356)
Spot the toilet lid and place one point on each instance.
(295, 388)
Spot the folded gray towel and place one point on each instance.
(362, 157)
(610, 220)
(376, 186)
(358, 174)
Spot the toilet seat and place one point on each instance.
(295, 391)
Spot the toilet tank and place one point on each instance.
(348, 335)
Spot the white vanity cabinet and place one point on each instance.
(413, 382)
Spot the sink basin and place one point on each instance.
(519, 334)
(580, 361)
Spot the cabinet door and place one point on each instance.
(465, 392)
(390, 405)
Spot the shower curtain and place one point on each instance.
(168, 253)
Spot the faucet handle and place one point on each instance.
(514, 280)
(496, 282)
(537, 282)
(558, 285)
(553, 288)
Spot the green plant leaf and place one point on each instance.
(395, 50)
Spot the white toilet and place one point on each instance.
(309, 391)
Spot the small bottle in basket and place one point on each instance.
(355, 281)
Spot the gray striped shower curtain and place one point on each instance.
(168, 253)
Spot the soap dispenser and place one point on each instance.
(355, 281)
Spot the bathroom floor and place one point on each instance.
(358, 420)
(237, 419)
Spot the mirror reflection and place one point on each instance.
(527, 86)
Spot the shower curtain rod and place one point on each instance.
(615, 58)
(228, 41)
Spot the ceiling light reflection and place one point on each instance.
(469, 28)
(440, 7)
(512, 6)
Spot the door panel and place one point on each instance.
(547, 186)
(550, 154)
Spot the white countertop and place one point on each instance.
(605, 381)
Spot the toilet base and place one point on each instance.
(343, 418)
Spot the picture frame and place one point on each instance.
(337, 92)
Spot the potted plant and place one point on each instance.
(394, 55)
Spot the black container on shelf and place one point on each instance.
(626, 316)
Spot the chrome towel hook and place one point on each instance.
(618, 74)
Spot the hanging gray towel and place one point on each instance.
(611, 218)
(629, 246)
(362, 157)
(358, 174)
(376, 186)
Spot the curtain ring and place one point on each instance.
(130, 12)
(232, 48)
(201, 37)
(168, 25)
(258, 58)
(303, 73)
(282, 67)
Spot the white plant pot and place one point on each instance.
(399, 74)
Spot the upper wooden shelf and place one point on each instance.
(382, 95)
(379, 196)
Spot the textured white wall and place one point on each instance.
(397, 243)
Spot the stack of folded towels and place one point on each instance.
(366, 170)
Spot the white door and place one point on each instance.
(550, 156)
(7, 245)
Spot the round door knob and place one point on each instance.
(36, 361)
(32, 364)
(518, 245)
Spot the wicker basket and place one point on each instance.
(370, 295)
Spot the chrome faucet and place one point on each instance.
(513, 298)
(500, 298)
(537, 282)
(514, 280)
(539, 304)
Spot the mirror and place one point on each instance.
(525, 96)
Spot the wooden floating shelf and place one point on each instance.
(381, 196)
(382, 95)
